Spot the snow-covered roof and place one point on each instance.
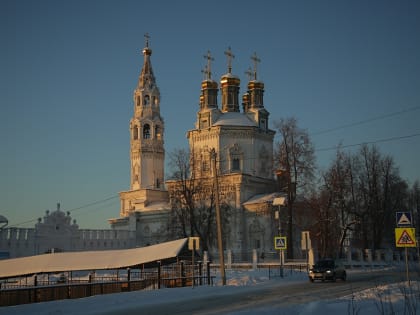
(157, 205)
(90, 260)
(263, 198)
(234, 119)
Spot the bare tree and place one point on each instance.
(414, 203)
(295, 161)
(381, 192)
(364, 191)
(337, 191)
(193, 200)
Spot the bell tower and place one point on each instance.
(147, 154)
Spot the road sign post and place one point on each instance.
(280, 243)
(405, 237)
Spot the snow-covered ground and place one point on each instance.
(397, 298)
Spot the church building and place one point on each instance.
(241, 140)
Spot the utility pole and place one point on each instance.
(218, 219)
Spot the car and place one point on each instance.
(327, 269)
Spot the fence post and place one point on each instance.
(208, 273)
(128, 279)
(158, 274)
(200, 270)
(35, 289)
(183, 280)
(89, 288)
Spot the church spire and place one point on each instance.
(147, 128)
(146, 78)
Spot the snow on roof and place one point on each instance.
(234, 119)
(157, 205)
(263, 198)
(90, 260)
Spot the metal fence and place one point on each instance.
(177, 275)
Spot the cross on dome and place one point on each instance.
(255, 59)
(147, 37)
(230, 56)
(249, 73)
(207, 69)
(206, 73)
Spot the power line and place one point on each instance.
(367, 120)
(369, 142)
(71, 210)
(92, 203)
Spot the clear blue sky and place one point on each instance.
(69, 68)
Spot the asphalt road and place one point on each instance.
(276, 295)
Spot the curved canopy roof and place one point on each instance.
(92, 260)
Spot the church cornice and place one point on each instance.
(199, 135)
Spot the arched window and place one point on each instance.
(236, 164)
(138, 100)
(135, 133)
(158, 133)
(146, 132)
(146, 100)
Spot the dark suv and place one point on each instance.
(327, 269)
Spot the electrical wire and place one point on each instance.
(369, 142)
(361, 122)
(71, 210)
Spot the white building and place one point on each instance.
(242, 141)
(56, 232)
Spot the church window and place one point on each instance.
(263, 124)
(157, 183)
(138, 100)
(146, 132)
(146, 100)
(158, 133)
(236, 164)
(205, 165)
(135, 133)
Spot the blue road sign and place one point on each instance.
(280, 242)
(403, 218)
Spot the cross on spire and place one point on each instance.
(249, 73)
(230, 56)
(147, 37)
(255, 59)
(207, 69)
(206, 73)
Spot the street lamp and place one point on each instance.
(280, 201)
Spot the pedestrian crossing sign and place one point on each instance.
(280, 242)
(405, 237)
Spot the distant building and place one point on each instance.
(56, 232)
